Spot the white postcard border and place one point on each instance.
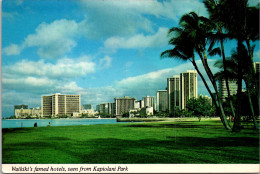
(130, 168)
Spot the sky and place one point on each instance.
(99, 49)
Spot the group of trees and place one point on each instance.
(200, 107)
(105, 115)
(195, 107)
(197, 35)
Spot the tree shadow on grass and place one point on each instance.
(177, 150)
(183, 150)
(208, 126)
(218, 142)
(16, 130)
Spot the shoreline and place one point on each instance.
(160, 119)
(29, 123)
(55, 118)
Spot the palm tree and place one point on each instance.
(195, 29)
(241, 23)
(212, 8)
(184, 50)
(232, 73)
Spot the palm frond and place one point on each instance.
(173, 53)
(215, 51)
(175, 29)
(210, 6)
(219, 64)
(221, 75)
(189, 20)
(212, 43)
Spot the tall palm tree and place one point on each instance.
(241, 23)
(232, 73)
(212, 8)
(195, 29)
(184, 50)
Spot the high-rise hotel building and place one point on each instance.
(173, 89)
(124, 104)
(223, 88)
(60, 104)
(162, 100)
(149, 102)
(107, 108)
(86, 106)
(189, 88)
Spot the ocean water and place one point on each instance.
(17, 123)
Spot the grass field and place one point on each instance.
(162, 142)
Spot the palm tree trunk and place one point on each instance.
(237, 121)
(211, 77)
(205, 83)
(250, 51)
(256, 126)
(252, 77)
(225, 74)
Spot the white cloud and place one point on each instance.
(71, 88)
(9, 15)
(120, 21)
(179, 8)
(64, 68)
(12, 49)
(167, 9)
(159, 39)
(105, 62)
(49, 33)
(147, 78)
(113, 18)
(27, 84)
(32, 81)
(108, 18)
(102, 94)
(53, 40)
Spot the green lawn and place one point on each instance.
(162, 142)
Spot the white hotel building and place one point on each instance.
(189, 86)
(60, 104)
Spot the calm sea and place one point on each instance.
(16, 123)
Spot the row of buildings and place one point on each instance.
(22, 111)
(127, 104)
(180, 88)
(56, 105)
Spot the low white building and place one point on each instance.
(134, 112)
(76, 114)
(149, 110)
(32, 112)
(90, 112)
